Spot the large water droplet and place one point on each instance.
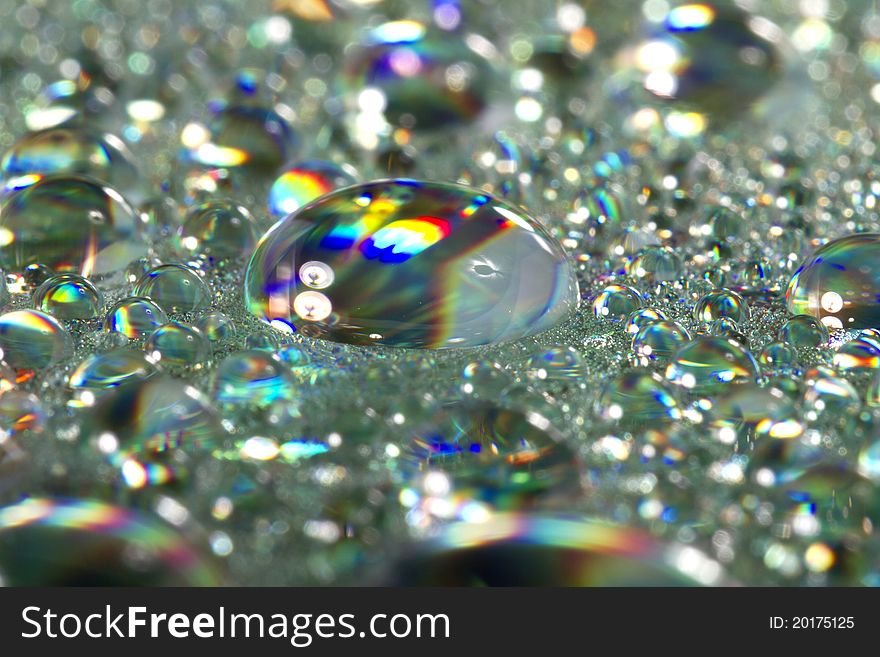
(524, 550)
(411, 264)
(840, 283)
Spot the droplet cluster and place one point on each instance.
(439, 293)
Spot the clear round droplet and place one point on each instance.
(616, 302)
(178, 345)
(71, 151)
(176, 288)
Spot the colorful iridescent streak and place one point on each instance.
(413, 264)
(402, 239)
(541, 550)
(54, 542)
(304, 183)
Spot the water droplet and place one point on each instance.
(178, 345)
(840, 283)
(659, 339)
(857, 354)
(721, 304)
(240, 136)
(71, 224)
(134, 317)
(417, 77)
(616, 302)
(176, 288)
(413, 264)
(655, 263)
(68, 150)
(557, 364)
(30, 339)
(218, 229)
(19, 411)
(708, 58)
(869, 461)
(216, 326)
(638, 397)
(530, 550)
(804, 331)
(110, 370)
(142, 418)
(777, 357)
(252, 377)
(830, 395)
(46, 542)
(642, 318)
(474, 458)
(769, 410)
(706, 365)
(69, 296)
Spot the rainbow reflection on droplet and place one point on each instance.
(68, 296)
(134, 317)
(305, 182)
